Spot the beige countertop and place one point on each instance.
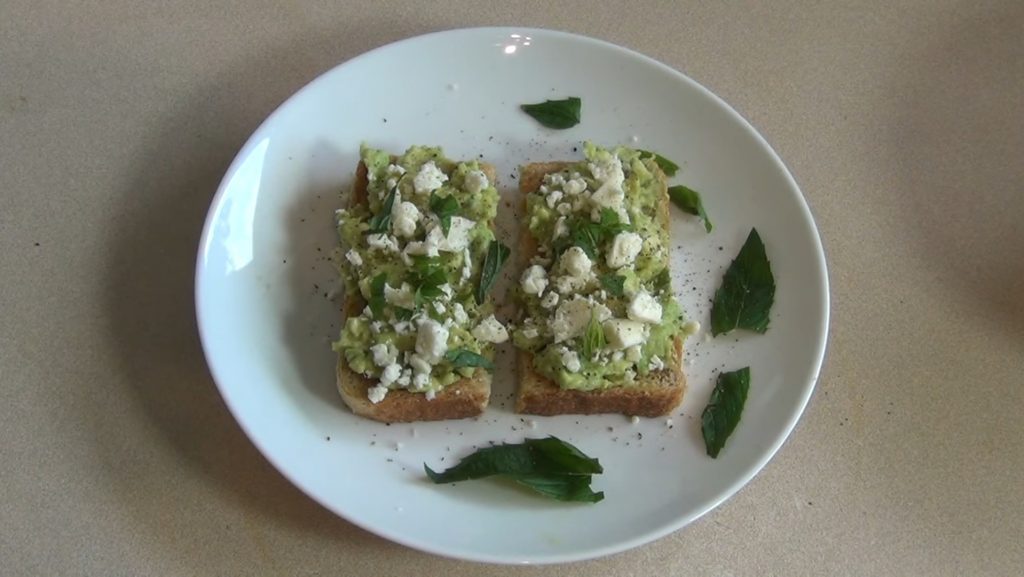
(902, 121)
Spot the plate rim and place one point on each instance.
(820, 266)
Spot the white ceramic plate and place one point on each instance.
(266, 322)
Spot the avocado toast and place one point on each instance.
(599, 329)
(419, 328)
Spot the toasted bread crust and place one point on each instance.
(653, 395)
(467, 397)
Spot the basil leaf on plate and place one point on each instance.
(747, 292)
(549, 457)
(723, 412)
(667, 166)
(557, 114)
(689, 200)
(382, 220)
(462, 358)
(495, 257)
(444, 207)
(562, 487)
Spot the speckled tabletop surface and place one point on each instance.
(903, 123)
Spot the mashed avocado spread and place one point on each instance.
(413, 253)
(596, 301)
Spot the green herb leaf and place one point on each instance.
(590, 235)
(444, 207)
(496, 256)
(667, 166)
(462, 358)
(593, 338)
(562, 487)
(382, 220)
(613, 283)
(747, 292)
(545, 457)
(662, 281)
(377, 301)
(556, 113)
(403, 314)
(427, 275)
(689, 200)
(723, 412)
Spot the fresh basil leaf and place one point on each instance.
(588, 237)
(747, 292)
(613, 283)
(689, 200)
(462, 358)
(427, 275)
(550, 456)
(723, 412)
(382, 220)
(377, 301)
(402, 314)
(444, 207)
(495, 257)
(593, 338)
(556, 113)
(562, 487)
(667, 166)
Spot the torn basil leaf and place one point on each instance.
(462, 358)
(613, 283)
(724, 409)
(558, 114)
(382, 220)
(495, 257)
(667, 166)
(747, 292)
(689, 200)
(549, 466)
(444, 207)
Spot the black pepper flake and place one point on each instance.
(328, 437)
(37, 244)
(390, 460)
(385, 120)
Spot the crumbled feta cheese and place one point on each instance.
(656, 363)
(630, 375)
(376, 327)
(563, 209)
(634, 353)
(404, 216)
(393, 174)
(475, 181)
(576, 263)
(570, 360)
(571, 318)
(458, 234)
(623, 333)
(428, 179)
(353, 257)
(561, 229)
(490, 330)
(534, 280)
(553, 197)
(609, 174)
(530, 333)
(376, 393)
(644, 308)
(691, 327)
(420, 381)
(418, 364)
(439, 307)
(554, 179)
(467, 265)
(406, 378)
(549, 300)
(368, 312)
(459, 314)
(384, 354)
(382, 242)
(446, 290)
(402, 327)
(635, 420)
(625, 247)
(617, 356)
(403, 296)
(390, 374)
(432, 340)
(430, 394)
(575, 186)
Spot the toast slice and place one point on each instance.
(651, 395)
(465, 397)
